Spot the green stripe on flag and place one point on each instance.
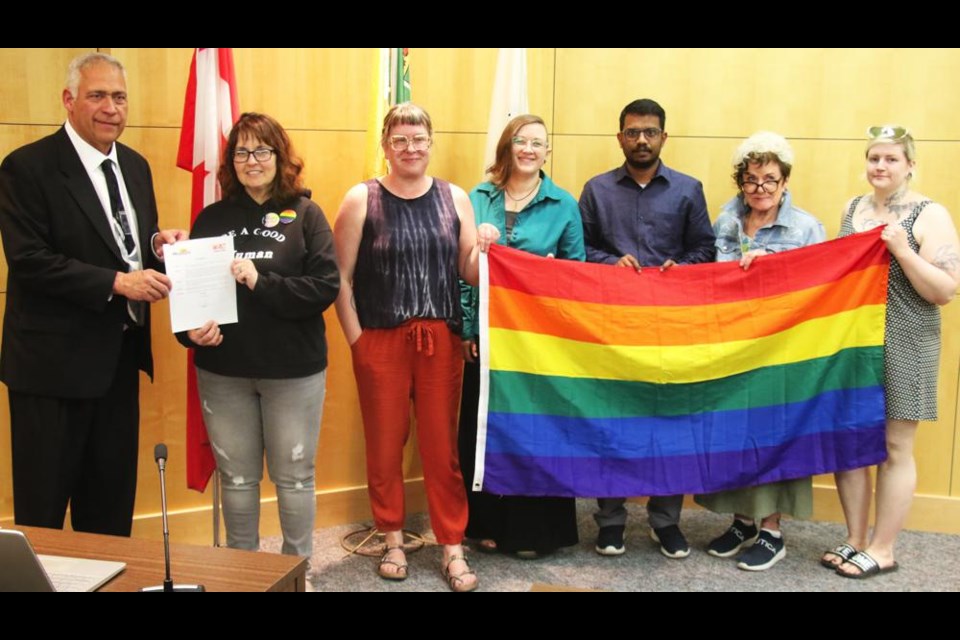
(513, 392)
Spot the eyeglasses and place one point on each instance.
(419, 142)
(650, 133)
(767, 186)
(536, 143)
(887, 131)
(260, 154)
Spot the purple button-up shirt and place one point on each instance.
(665, 220)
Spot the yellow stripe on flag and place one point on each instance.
(548, 355)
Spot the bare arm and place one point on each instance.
(843, 214)
(469, 258)
(348, 231)
(935, 271)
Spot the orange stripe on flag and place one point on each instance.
(682, 325)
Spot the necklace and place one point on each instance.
(525, 196)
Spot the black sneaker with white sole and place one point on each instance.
(737, 537)
(765, 552)
(672, 543)
(610, 541)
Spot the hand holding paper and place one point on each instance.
(203, 284)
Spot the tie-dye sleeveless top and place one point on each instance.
(407, 261)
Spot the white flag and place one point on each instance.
(509, 97)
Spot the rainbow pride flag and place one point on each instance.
(598, 381)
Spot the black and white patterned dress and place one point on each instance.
(912, 342)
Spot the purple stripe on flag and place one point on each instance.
(672, 475)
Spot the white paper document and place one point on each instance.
(203, 287)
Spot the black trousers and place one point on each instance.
(79, 451)
(515, 523)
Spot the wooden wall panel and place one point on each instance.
(805, 93)
(156, 84)
(456, 86)
(955, 465)
(6, 470)
(306, 88)
(33, 81)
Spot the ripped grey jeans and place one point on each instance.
(246, 417)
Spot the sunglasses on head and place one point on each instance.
(887, 131)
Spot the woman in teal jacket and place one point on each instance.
(533, 215)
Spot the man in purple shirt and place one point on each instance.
(644, 214)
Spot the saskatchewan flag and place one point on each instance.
(390, 85)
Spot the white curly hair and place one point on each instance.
(764, 142)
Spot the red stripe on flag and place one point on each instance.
(194, 158)
(683, 285)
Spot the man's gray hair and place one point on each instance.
(81, 61)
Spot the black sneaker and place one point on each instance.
(610, 541)
(738, 536)
(672, 542)
(765, 552)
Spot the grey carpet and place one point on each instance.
(928, 562)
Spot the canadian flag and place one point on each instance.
(210, 110)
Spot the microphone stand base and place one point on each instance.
(177, 588)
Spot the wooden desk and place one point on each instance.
(218, 569)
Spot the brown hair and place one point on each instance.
(502, 166)
(405, 113)
(759, 159)
(288, 183)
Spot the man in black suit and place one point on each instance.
(79, 223)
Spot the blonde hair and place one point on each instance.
(888, 136)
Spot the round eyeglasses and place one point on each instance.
(419, 142)
(536, 143)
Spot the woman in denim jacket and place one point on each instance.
(761, 220)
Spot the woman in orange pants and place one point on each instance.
(402, 243)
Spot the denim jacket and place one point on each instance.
(792, 229)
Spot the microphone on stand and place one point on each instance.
(160, 455)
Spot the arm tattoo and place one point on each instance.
(947, 259)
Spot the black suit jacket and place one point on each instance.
(62, 332)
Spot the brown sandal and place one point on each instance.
(456, 582)
(400, 573)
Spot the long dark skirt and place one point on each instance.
(516, 523)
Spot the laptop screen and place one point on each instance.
(21, 569)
